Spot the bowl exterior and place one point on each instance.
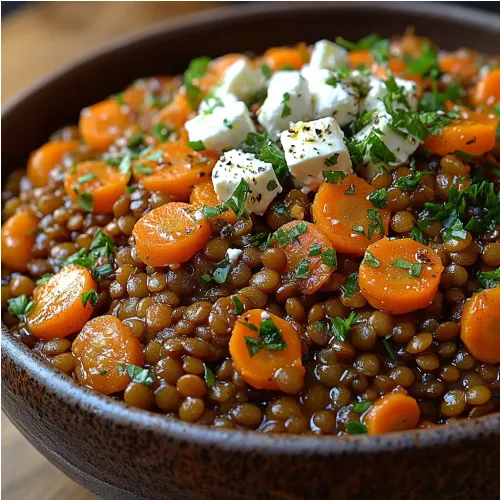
(123, 453)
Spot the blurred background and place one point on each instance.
(37, 38)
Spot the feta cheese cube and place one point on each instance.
(233, 254)
(241, 80)
(378, 90)
(288, 100)
(312, 147)
(328, 55)
(332, 97)
(401, 147)
(215, 100)
(235, 165)
(225, 127)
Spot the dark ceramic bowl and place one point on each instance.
(123, 453)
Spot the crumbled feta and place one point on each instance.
(214, 100)
(288, 100)
(242, 80)
(224, 127)
(401, 147)
(233, 254)
(235, 165)
(265, 315)
(332, 97)
(312, 147)
(378, 90)
(328, 55)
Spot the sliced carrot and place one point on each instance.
(203, 194)
(176, 113)
(480, 320)
(18, 237)
(399, 68)
(399, 276)
(138, 96)
(104, 122)
(44, 159)
(278, 58)
(487, 91)
(471, 137)
(304, 256)
(395, 411)
(360, 58)
(170, 234)
(258, 370)
(59, 309)
(461, 63)
(409, 44)
(345, 214)
(98, 184)
(102, 350)
(174, 168)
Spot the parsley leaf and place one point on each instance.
(213, 211)
(361, 407)
(342, 327)
(285, 237)
(85, 201)
(208, 375)
(330, 162)
(286, 108)
(302, 270)
(270, 338)
(375, 224)
(315, 249)
(238, 198)
(139, 375)
(196, 145)
(161, 132)
(329, 257)
(90, 296)
(356, 428)
(350, 286)
(196, 69)
(455, 231)
(239, 308)
(415, 269)
(44, 279)
(333, 176)
(410, 182)
(221, 271)
(20, 306)
(350, 190)
(489, 279)
(418, 235)
(378, 197)
(370, 260)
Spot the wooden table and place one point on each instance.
(35, 41)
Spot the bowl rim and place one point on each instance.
(117, 412)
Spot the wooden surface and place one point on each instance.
(35, 41)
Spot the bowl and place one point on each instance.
(119, 452)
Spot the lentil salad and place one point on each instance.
(329, 273)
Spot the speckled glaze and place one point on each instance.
(122, 453)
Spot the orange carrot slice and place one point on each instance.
(203, 194)
(258, 365)
(471, 137)
(104, 122)
(487, 91)
(44, 159)
(176, 113)
(59, 303)
(360, 58)
(103, 350)
(395, 411)
(170, 234)
(399, 276)
(95, 186)
(310, 258)
(480, 320)
(174, 169)
(278, 58)
(18, 237)
(344, 213)
(461, 63)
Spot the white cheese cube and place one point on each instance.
(401, 147)
(235, 165)
(288, 100)
(328, 55)
(378, 90)
(225, 127)
(312, 147)
(241, 80)
(215, 100)
(332, 97)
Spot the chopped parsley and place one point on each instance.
(370, 260)
(418, 235)
(125, 164)
(270, 337)
(361, 407)
(356, 428)
(426, 64)
(350, 286)
(489, 279)
(205, 278)
(286, 237)
(103, 271)
(196, 145)
(281, 210)
(359, 229)
(410, 182)
(415, 269)
(342, 327)
(221, 271)
(161, 132)
(208, 375)
(286, 108)
(302, 270)
(330, 162)
(238, 198)
(86, 178)
(378, 198)
(209, 212)
(329, 257)
(228, 123)
(375, 223)
(332, 177)
(239, 308)
(44, 279)
(138, 375)
(20, 306)
(271, 185)
(455, 231)
(197, 68)
(315, 249)
(141, 169)
(266, 70)
(85, 201)
(389, 349)
(90, 296)
(350, 190)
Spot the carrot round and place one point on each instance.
(18, 237)
(44, 159)
(394, 411)
(170, 234)
(176, 113)
(345, 214)
(471, 137)
(487, 91)
(278, 58)
(461, 63)
(203, 194)
(399, 276)
(307, 252)
(96, 185)
(59, 309)
(103, 349)
(174, 168)
(259, 369)
(360, 58)
(104, 122)
(480, 320)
